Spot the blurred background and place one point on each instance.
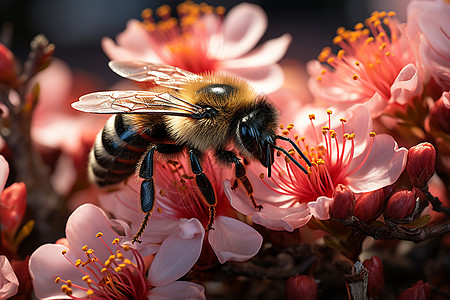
(77, 27)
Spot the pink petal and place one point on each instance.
(9, 284)
(376, 104)
(320, 208)
(4, 172)
(382, 167)
(116, 52)
(234, 240)
(178, 253)
(243, 27)
(265, 79)
(79, 232)
(446, 99)
(406, 86)
(268, 53)
(178, 290)
(47, 263)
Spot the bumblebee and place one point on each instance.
(183, 113)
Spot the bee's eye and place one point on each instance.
(248, 136)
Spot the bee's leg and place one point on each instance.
(229, 157)
(204, 185)
(147, 190)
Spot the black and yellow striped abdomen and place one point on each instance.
(118, 148)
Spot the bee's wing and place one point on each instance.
(136, 102)
(162, 75)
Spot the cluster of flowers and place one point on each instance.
(387, 86)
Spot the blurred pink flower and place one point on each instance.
(179, 203)
(429, 26)
(203, 40)
(9, 284)
(343, 151)
(96, 263)
(375, 66)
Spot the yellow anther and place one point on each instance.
(85, 277)
(391, 14)
(281, 126)
(107, 263)
(377, 23)
(261, 176)
(325, 128)
(163, 10)
(162, 193)
(312, 116)
(345, 135)
(291, 152)
(319, 78)
(127, 261)
(118, 269)
(337, 39)
(357, 63)
(296, 137)
(69, 283)
(89, 251)
(57, 279)
(324, 54)
(64, 252)
(112, 257)
(382, 46)
(220, 10)
(388, 54)
(285, 132)
(122, 265)
(343, 120)
(159, 210)
(320, 161)
(355, 77)
(115, 241)
(85, 248)
(333, 134)
(369, 40)
(330, 60)
(351, 136)
(147, 13)
(78, 262)
(126, 247)
(290, 126)
(340, 54)
(340, 30)
(329, 112)
(90, 292)
(119, 256)
(64, 288)
(386, 22)
(323, 71)
(302, 138)
(372, 134)
(359, 26)
(104, 271)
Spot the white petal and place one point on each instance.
(9, 284)
(234, 240)
(178, 253)
(4, 172)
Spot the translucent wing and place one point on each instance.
(162, 75)
(136, 102)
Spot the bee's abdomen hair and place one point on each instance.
(116, 151)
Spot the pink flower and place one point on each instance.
(96, 263)
(343, 151)
(203, 40)
(375, 66)
(428, 24)
(9, 284)
(179, 204)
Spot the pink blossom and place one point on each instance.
(375, 66)
(179, 204)
(9, 284)
(428, 25)
(96, 263)
(343, 151)
(203, 40)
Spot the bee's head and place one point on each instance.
(255, 135)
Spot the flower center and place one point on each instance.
(116, 278)
(370, 58)
(184, 41)
(181, 197)
(331, 158)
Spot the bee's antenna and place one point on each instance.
(269, 158)
(290, 157)
(284, 138)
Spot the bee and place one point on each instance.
(183, 113)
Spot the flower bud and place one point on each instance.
(301, 287)
(440, 115)
(343, 202)
(7, 65)
(375, 278)
(421, 162)
(369, 206)
(418, 291)
(400, 205)
(13, 202)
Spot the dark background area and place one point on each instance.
(77, 27)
